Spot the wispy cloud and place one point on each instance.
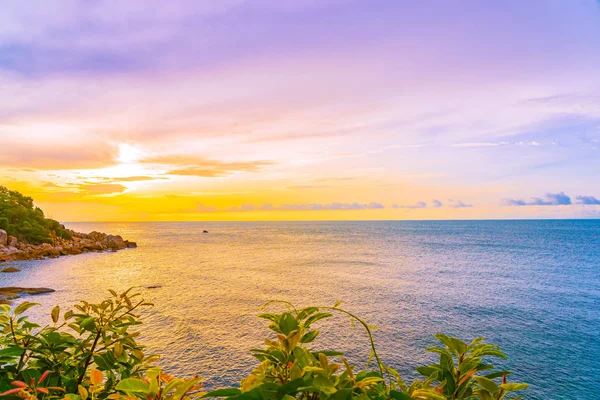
(434, 204)
(197, 166)
(458, 204)
(420, 204)
(102, 188)
(480, 144)
(201, 208)
(140, 178)
(551, 199)
(290, 207)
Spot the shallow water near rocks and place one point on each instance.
(533, 287)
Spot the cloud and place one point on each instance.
(29, 156)
(551, 199)
(420, 204)
(330, 206)
(480, 144)
(102, 188)
(588, 200)
(308, 207)
(242, 208)
(459, 204)
(201, 208)
(131, 179)
(197, 166)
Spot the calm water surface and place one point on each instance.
(533, 287)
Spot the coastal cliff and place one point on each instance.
(26, 233)
(12, 249)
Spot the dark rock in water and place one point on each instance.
(11, 293)
(204, 231)
(153, 286)
(10, 269)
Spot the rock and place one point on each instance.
(96, 236)
(11, 248)
(205, 231)
(3, 237)
(153, 286)
(10, 293)
(54, 252)
(115, 242)
(10, 269)
(12, 241)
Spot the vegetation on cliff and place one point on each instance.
(91, 352)
(19, 217)
(25, 234)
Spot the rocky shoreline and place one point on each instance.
(11, 249)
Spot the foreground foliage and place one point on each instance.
(20, 218)
(91, 352)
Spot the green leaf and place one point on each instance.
(314, 318)
(229, 392)
(287, 323)
(394, 394)
(342, 394)
(133, 385)
(309, 337)
(439, 350)
(427, 370)
(88, 323)
(185, 387)
(304, 313)
(26, 305)
(509, 387)
(453, 344)
(55, 313)
(498, 374)
(487, 384)
(290, 388)
(11, 352)
(484, 395)
(270, 316)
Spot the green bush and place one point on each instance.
(20, 218)
(91, 352)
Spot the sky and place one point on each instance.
(302, 110)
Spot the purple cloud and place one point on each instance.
(420, 204)
(588, 200)
(551, 199)
(459, 204)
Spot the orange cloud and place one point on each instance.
(102, 188)
(61, 155)
(197, 166)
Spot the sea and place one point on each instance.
(530, 286)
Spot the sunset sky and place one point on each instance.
(304, 109)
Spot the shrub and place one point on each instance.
(20, 218)
(92, 353)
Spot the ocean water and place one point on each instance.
(533, 287)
